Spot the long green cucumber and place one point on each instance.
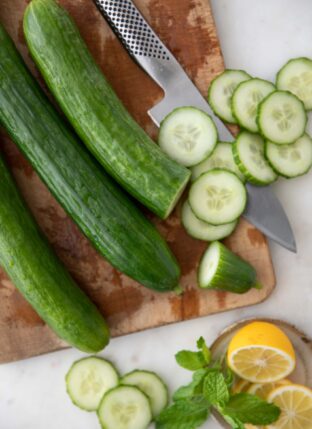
(95, 112)
(100, 208)
(35, 270)
(221, 269)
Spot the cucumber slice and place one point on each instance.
(218, 197)
(290, 160)
(188, 135)
(281, 117)
(203, 230)
(248, 151)
(246, 99)
(153, 387)
(221, 90)
(88, 380)
(221, 269)
(221, 157)
(125, 407)
(296, 77)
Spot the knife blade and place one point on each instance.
(142, 43)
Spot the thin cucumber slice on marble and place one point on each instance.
(248, 151)
(246, 99)
(88, 380)
(202, 230)
(296, 77)
(221, 90)
(218, 197)
(153, 387)
(188, 135)
(125, 407)
(221, 269)
(281, 117)
(290, 160)
(221, 157)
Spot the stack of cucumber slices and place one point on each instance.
(128, 402)
(272, 142)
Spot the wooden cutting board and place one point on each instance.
(187, 27)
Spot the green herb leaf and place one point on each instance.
(215, 388)
(201, 345)
(195, 388)
(184, 414)
(251, 409)
(235, 424)
(190, 360)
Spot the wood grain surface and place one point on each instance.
(188, 29)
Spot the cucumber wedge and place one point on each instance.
(188, 135)
(291, 160)
(125, 407)
(218, 197)
(153, 387)
(246, 99)
(203, 230)
(221, 157)
(281, 117)
(221, 90)
(248, 151)
(223, 270)
(88, 380)
(296, 77)
(99, 118)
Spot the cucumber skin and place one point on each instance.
(35, 270)
(112, 222)
(249, 177)
(99, 118)
(305, 59)
(233, 274)
(68, 374)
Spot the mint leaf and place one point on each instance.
(251, 409)
(194, 388)
(184, 414)
(215, 388)
(190, 360)
(201, 345)
(235, 424)
(229, 377)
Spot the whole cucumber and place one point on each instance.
(35, 270)
(103, 212)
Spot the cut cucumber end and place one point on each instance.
(281, 117)
(187, 135)
(218, 197)
(88, 380)
(175, 201)
(209, 265)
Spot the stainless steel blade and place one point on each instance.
(264, 210)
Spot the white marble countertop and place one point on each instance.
(258, 36)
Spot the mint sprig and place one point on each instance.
(211, 388)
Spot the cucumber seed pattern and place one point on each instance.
(291, 152)
(283, 116)
(301, 85)
(186, 136)
(125, 413)
(256, 150)
(253, 103)
(218, 197)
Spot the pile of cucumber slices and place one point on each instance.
(128, 402)
(272, 142)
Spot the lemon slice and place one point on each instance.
(241, 385)
(263, 389)
(295, 402)
(260, 352)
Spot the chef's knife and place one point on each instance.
(263, 209)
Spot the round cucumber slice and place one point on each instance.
(152, 385)
(218, 197)
(203, 230)
(88, 380)
(249, 155)
(290, 160)
(188, 135)
(125, 407)
(246, 99)
(296, 77)
(221, 157)
(221, 269)
(221, 90)
(281, 117)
